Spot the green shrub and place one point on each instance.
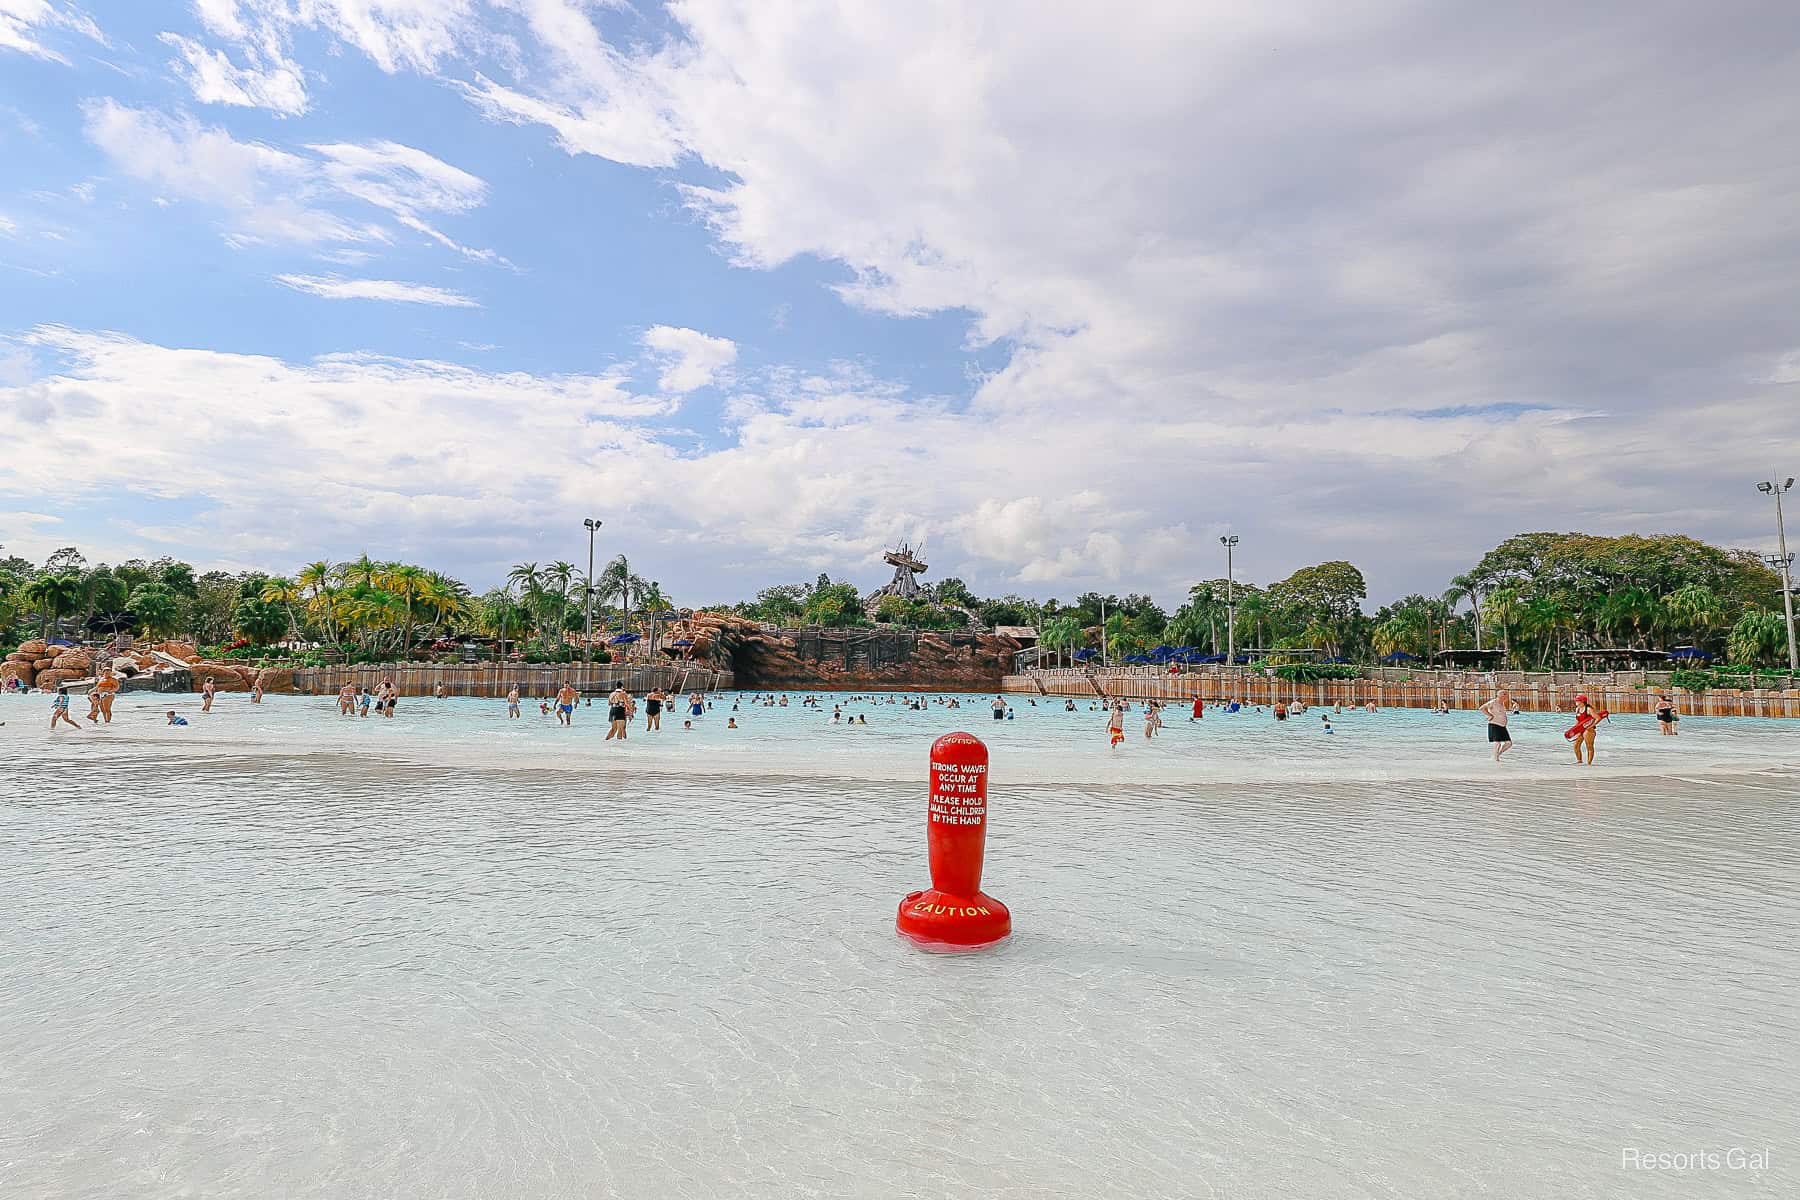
(1692, 679)
(1315, 672)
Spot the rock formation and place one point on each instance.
(881, 659)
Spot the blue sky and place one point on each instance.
(767, 289)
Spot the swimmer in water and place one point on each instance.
(347, 700)
(512, 702)
(731, 723)
(565, 704)
(1115, 724)
(59, 710)
(175, 720)
(363, 701)
(617, 713)
(105, 688)
(207, 691)
(653, 706)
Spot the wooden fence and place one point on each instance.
(1457, 691)
(496, 679)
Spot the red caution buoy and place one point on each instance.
(954, 913)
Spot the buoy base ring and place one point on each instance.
(934, 920)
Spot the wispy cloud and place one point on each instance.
(333, 287)
(25, 23)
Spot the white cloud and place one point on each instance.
(215, 79)
(23, 23)
(276, 195)
(395, 34)
(468, 467)
(1319, 270)
(270, 194)
(336, 288)
(689, 359)
(407, 182)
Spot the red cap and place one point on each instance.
(1581, 699)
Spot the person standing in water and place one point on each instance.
(347, 700)
(653, 706)
(1115, 723)
(565, 704)
(512, 702)
(105, 688)
(207, 692)
(616, 713)
(1666, 716)
(59, 710)
(1498, 710)
(999, 708)
(1587, 723)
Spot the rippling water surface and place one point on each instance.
(277, 953)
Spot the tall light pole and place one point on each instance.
(1102, 633)
(1230, 541)
(1784, 563)
(587, 652)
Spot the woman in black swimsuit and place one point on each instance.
(653, 706)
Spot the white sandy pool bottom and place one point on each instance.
(267, 962)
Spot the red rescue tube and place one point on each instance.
(954, 913)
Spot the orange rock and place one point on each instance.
(36, 647)
(74, 660)
(55, 676)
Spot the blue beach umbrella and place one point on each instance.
(623, 639)
(1693, 652)
(1399, 656)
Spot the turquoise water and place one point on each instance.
(279, 952)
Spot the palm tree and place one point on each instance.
(1060, 635)
(316, 578)
(363, 571)
(528, 580)
(53, 596)
(405, 582)
(1695, 608)
(283, 591)
(443, 599)
(560, 581)
(1504, 605)
(1631, 608)
(617, 580)
(652, 601)
(1759, 636)
(1466, 587)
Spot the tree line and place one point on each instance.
(1536, 598)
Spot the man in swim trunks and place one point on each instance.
(565, 704)
(1115, 723)
(999, 708)
(512, 702)
(615, 713)
(1498, 710)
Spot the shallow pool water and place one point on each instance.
(282, 953)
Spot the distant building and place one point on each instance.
(1025, 635)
